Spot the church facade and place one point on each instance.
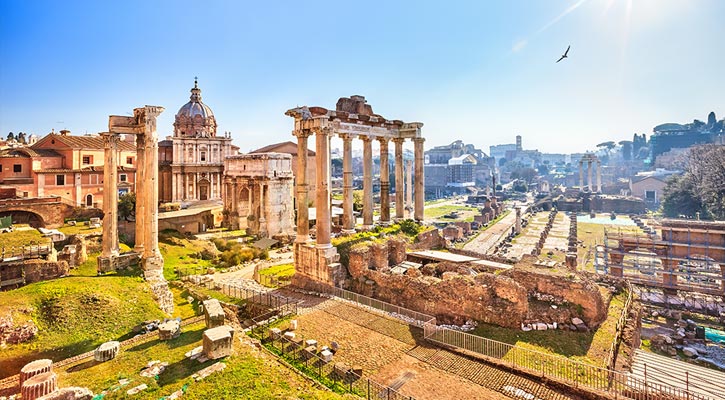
(192, 161)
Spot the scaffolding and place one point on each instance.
(689, 256)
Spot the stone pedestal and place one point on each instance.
(34, 368)
(39, 385)
(169, 330)
(318, 264)
(213, 313)
(571, 263)
(217, 342)
(107, 351)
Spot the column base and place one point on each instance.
(323, 246)
(138, 249)
(348, 231)
(384, 223)
(302, 239)
(152, 264)
(366, 227)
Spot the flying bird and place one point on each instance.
(563, 56)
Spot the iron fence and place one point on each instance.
(528, 361)
(332, 375)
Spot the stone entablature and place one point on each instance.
(258, 194)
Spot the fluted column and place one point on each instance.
(322, 199)
(599, 176)
(581, 175)
(140, 230)
(110, 201)
(384, 182)
(348, 218)
(367, 182)
(419, 180)
(303, 213)
(409, 188)
(589, 175)
(152, 255)
(399, 179)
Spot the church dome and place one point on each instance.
(195, 119)
(195, 107)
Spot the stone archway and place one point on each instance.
(25, 217)
(89, 200)
(204, 187)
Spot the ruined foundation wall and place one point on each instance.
(487, 297)
(582, 292)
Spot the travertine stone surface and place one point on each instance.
(106, 351)
(39, 385)
(213, 313)
(34, 368)
(217, 342)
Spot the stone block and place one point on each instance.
(34, 368)
(169, 329)
(213, 313)
(217, 342)
(39, 385)
(69, 393)
(326, 356)
(275, 333)
(289, 335)
(107, 351)
(311, 342)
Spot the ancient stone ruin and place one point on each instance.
(143, 125)
(352, 118)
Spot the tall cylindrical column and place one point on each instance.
(419, 180)
(322, 200)
(303, 213)
(348, 218)
(408, 188)
(599, 176)
(581, 175)
(141, 190)
(367, 182)
(110, 201)
(152, 260)
(589, 175)
(399, 179)
(384, 182)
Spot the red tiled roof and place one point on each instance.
(84, 142)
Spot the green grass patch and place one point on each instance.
(80, 228)
(440, 211)
(245, 376)
(23, 237)
(74, 315)
(280, 271)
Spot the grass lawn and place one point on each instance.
(179, 252)
(440, 211)
(591, 348)
(80, 228)
(20, 238)
(74, 315)
(247, 375)
(280, 271)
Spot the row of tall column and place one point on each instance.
(323, 218)
(181, 182)
(589, 175)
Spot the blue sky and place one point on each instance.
(480, 71)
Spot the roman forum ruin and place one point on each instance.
(143, 126)
(591, 160)
(352, 118)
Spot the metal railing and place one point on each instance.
(328, 373)
(621, 322)
(531, 362)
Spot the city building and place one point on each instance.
(67, 166)
(195, 168)
(453, 168)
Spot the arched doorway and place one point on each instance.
(203, 189)
(89, 200)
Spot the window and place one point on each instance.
(650, 195)
(17, 168)
(203, 156)
(89, 200)
(122, 178)
(60, 180)
(129, 160)
(87, 160)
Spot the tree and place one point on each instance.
(702, 186)
(543, 169)
(127, 206)
(357, 200)
(680, 199)
(11, 136)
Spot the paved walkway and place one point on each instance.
(664, 370)
(486, 240)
